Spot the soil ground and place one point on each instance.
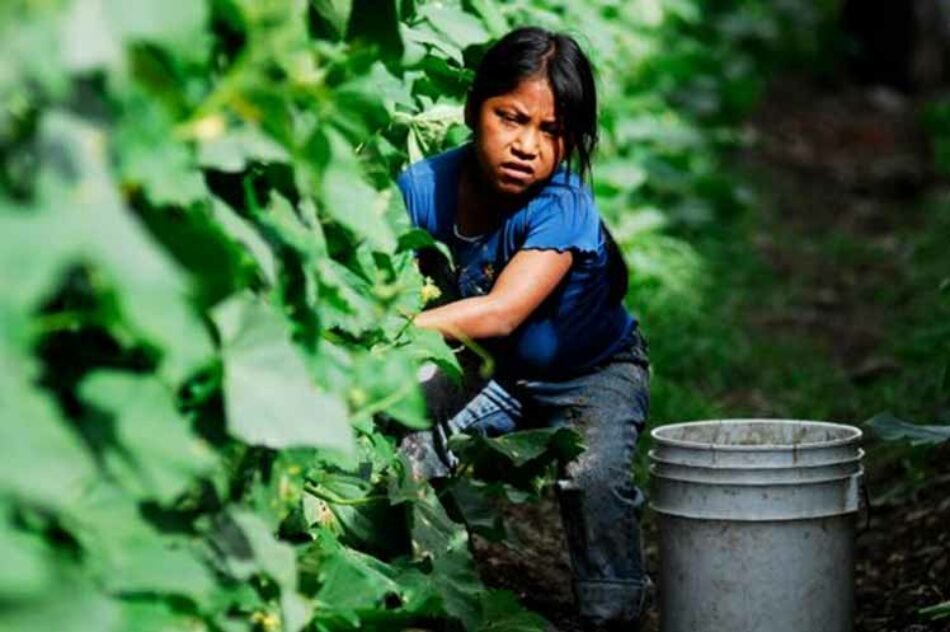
(842, 175)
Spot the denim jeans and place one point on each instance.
(600, 504)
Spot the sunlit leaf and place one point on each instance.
(270, 398)
(157, 455)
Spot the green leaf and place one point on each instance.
(937, 611)
(284, 222)
(336, 13)
(352, 582)
(501, 612)
(27, 570)
(523, 446)
(96, 32)
(388, 383)
(890, 428)
(251, 548)
(492, 17)
(346, 299)
(248, 547)
(41, 460)
(364, 515)
(88, 41)
(75, 606)
(460, 28)
(150, 156)
(129, 555)
(433, 532)
(159, 457)
(431, 345)
(377, 23)
(31, 47)
(244, 233)
(479, 510)
(459, 585)
(234, 150)
(82, 218)
(270, 399)
(180, 25)
(155, 616)
(349, 199)
(414, 239)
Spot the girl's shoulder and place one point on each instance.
(426, 172)
(428, 188)
(566, 196)
(562, 216)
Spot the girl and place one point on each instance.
(539, 282)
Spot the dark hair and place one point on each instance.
(529, 52)
(532, 51)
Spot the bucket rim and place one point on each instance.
(856, 435)
(654, 457)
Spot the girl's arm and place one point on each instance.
(523, 284)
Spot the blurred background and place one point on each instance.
(200, 245)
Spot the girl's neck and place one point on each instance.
(479, 207)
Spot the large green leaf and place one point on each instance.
(42, 460)
(27, 569)
(233, 150)
(336, 13)
(270, 398)
(521, 447)
(244, 233)
(352, 582)
(248, 547)
(81, 217)
(158, 456)
(30, 46)
(151, 157)
(364, 516)
(460, 28)
(96, 32)
(349, 199)
(129, 555)
(177, 24)
(156, 616)
(459, 585)
(75, 605)
(387, 382)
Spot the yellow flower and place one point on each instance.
(430, 291)
(266, 620)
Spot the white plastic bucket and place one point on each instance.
(756, 521)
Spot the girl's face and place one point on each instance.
(517, 140)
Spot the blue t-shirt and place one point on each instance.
(576, 326)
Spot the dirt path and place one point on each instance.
(852, 166)
(841, 175)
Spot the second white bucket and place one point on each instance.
(756, 522)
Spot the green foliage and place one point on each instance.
(890, 428)
(937, 611)
(207, 285)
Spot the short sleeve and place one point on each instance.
(407, 183)
(563, 219)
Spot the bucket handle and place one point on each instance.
(865, 503)
(864, 500)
